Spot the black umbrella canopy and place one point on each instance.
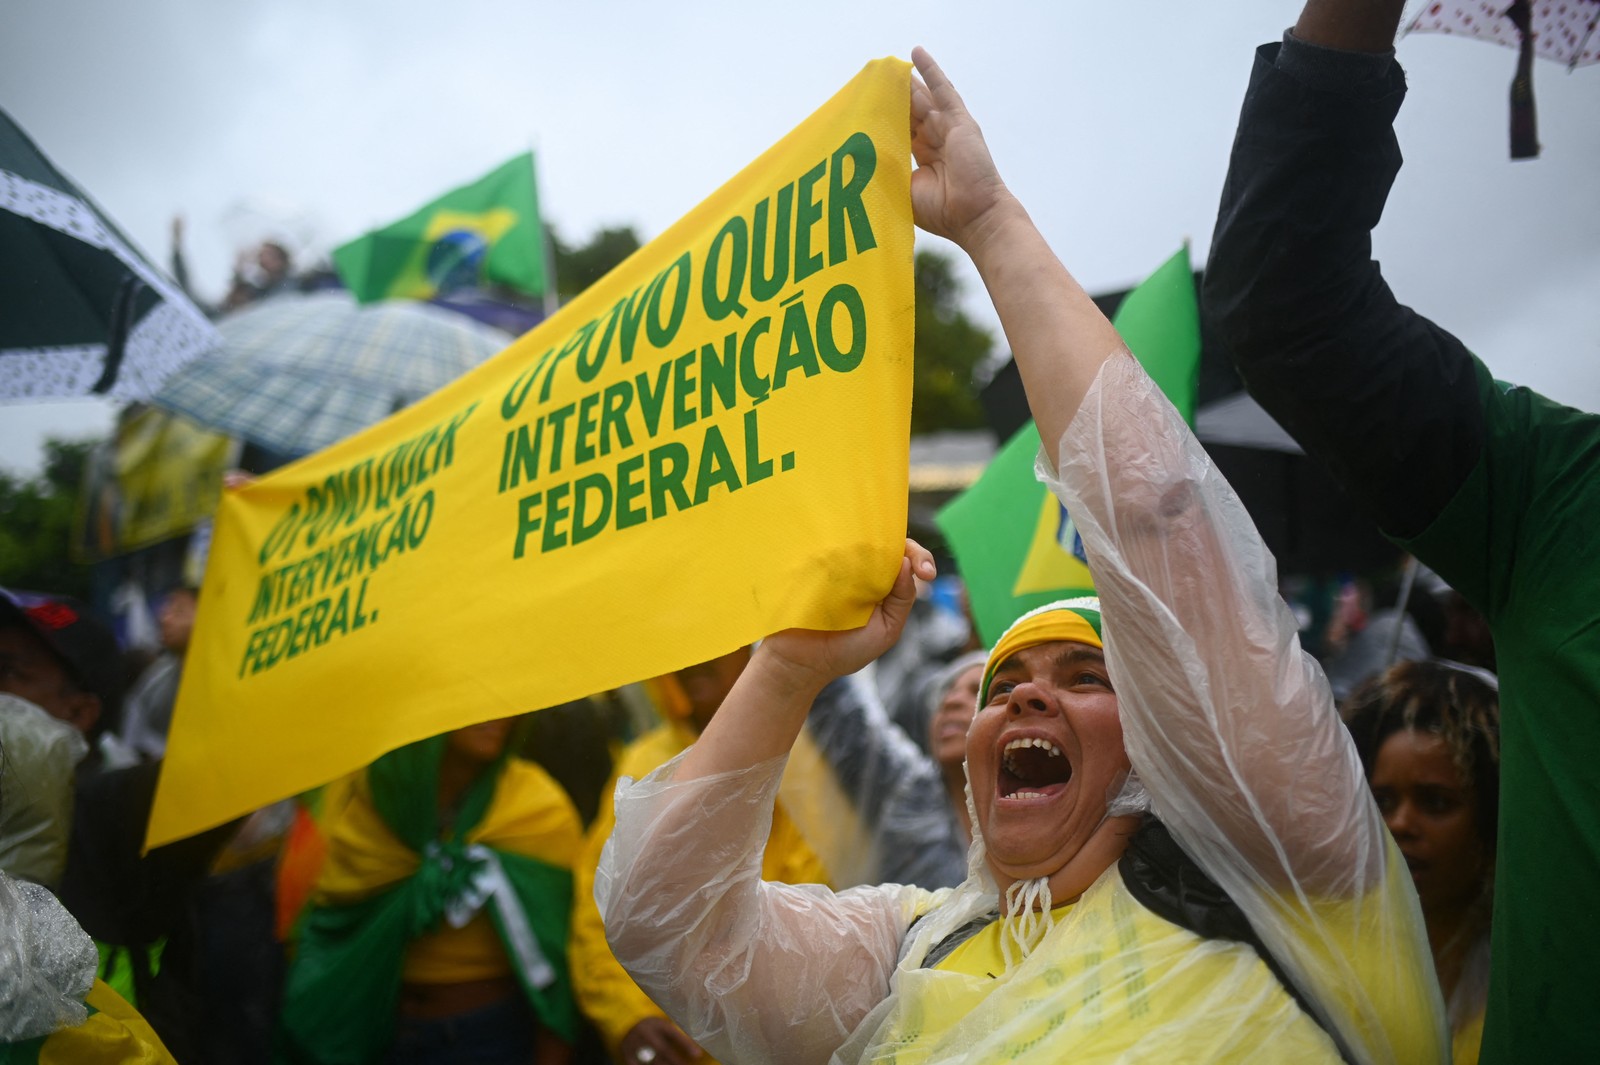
(83, 312)
(1308, 522)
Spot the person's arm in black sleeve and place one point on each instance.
(1386, 399)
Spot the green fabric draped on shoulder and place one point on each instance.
(343, 988)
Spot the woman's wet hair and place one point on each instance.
(1459, 704)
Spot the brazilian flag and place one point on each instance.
(1014, 542)
(486, 231)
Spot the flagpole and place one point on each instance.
(552, 302)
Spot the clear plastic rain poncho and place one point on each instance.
(1232, 732)
(47, 963)
(39, 756)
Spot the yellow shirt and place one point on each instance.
(1113, 982)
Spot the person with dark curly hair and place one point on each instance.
(1490, 485)
(1429, 738)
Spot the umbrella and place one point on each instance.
(1562, 30)
(1559, 30)
(1306, 519)
(1303, 515)
(297, 372)
(84, 313)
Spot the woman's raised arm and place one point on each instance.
(1057, 335)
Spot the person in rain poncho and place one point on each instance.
(58, 681)
(952, 699)
(438, 928)
(1200, 721)
(54, 1008)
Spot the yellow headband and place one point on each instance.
(1074, 621)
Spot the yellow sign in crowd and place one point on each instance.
(707, 446)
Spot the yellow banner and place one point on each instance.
(158, 478)
(707, 446)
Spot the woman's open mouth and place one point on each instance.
(1032, 768)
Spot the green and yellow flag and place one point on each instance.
(486, 231)
(1014, 542)
(707, 446)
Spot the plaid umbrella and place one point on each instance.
(81, 311)
(297, 373)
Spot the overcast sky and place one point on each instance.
(1112, 121)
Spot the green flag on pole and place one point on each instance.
(1013, 541)
(1160, 321)
(486, 231)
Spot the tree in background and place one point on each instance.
(37, 519)
(950, 348)
(579, 266)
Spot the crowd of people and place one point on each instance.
(1140, 827)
